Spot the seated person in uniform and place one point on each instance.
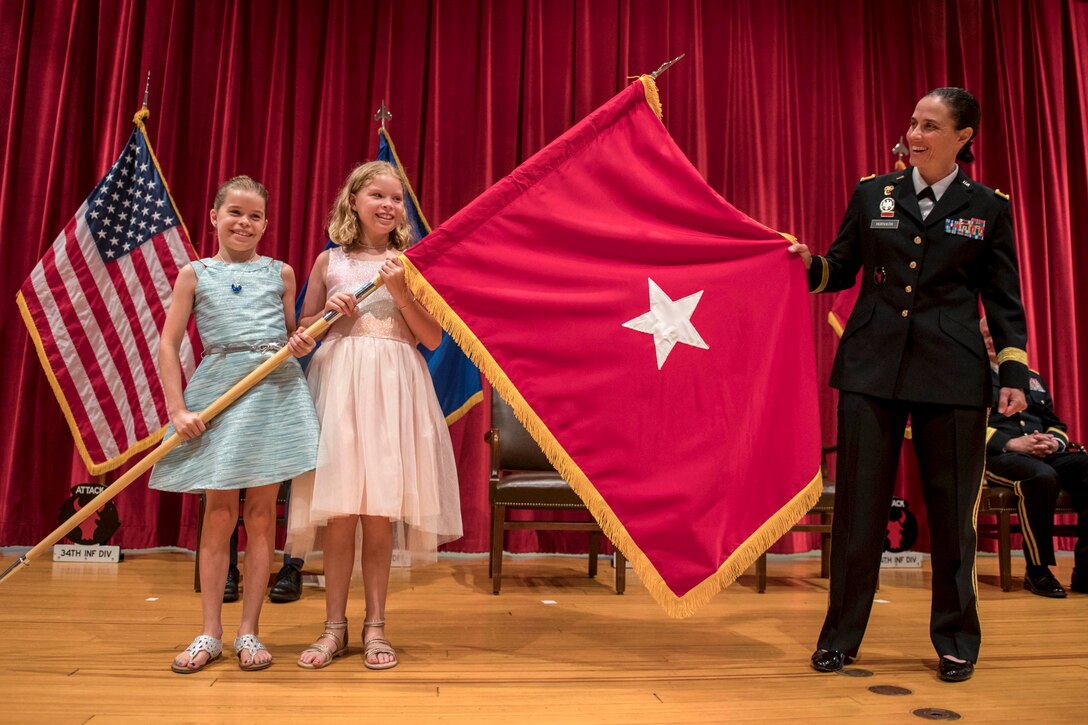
(1030, 453)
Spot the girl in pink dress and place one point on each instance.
(385, 452)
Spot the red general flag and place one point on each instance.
(96, 301)
(655, 341)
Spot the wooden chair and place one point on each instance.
(824, 508)
(522, 478)
(1003, 503)
(282, 497)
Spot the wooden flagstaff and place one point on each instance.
(222, 403)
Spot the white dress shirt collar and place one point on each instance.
(940, 187)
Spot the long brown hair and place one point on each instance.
(345, 228)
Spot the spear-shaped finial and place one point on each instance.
(665, 66)
(900, 150)
(383, 115)
(147, 88)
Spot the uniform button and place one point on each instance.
(904, 313)
(913, 265)
(909, 289)
(917, 240)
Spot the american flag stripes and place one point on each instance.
(96, 301)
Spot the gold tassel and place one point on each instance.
(652, 96)
(834, 322)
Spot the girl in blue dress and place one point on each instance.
(244, 306)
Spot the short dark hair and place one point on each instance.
(965, 113)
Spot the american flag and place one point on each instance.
(96, 301)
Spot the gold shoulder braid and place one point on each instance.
(1012, 354)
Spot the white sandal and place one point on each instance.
(251, 644)
(203, 643)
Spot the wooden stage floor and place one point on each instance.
(93, 643)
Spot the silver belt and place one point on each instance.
(245, 346)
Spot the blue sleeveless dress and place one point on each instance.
(268, 435)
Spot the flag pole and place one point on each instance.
(143, 114)
(222, 403)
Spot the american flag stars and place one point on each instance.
(128, 207)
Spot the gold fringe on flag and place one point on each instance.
(675, 606)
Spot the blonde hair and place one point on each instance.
(345, 228)
(240, 183)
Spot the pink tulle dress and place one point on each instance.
(384, 448)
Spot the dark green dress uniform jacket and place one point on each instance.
(1039, 417)
(913, 334)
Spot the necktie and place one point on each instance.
(926, 201)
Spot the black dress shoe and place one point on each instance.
(1042, 582)
(951, 671)
(288, 585)
(230, 590)
(1079, 583)
(830, 660)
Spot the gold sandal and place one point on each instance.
(341, 641)
(377, 646)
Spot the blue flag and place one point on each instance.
(456, 379)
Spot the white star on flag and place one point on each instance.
(669, 321)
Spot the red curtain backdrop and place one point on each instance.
(781, 105)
